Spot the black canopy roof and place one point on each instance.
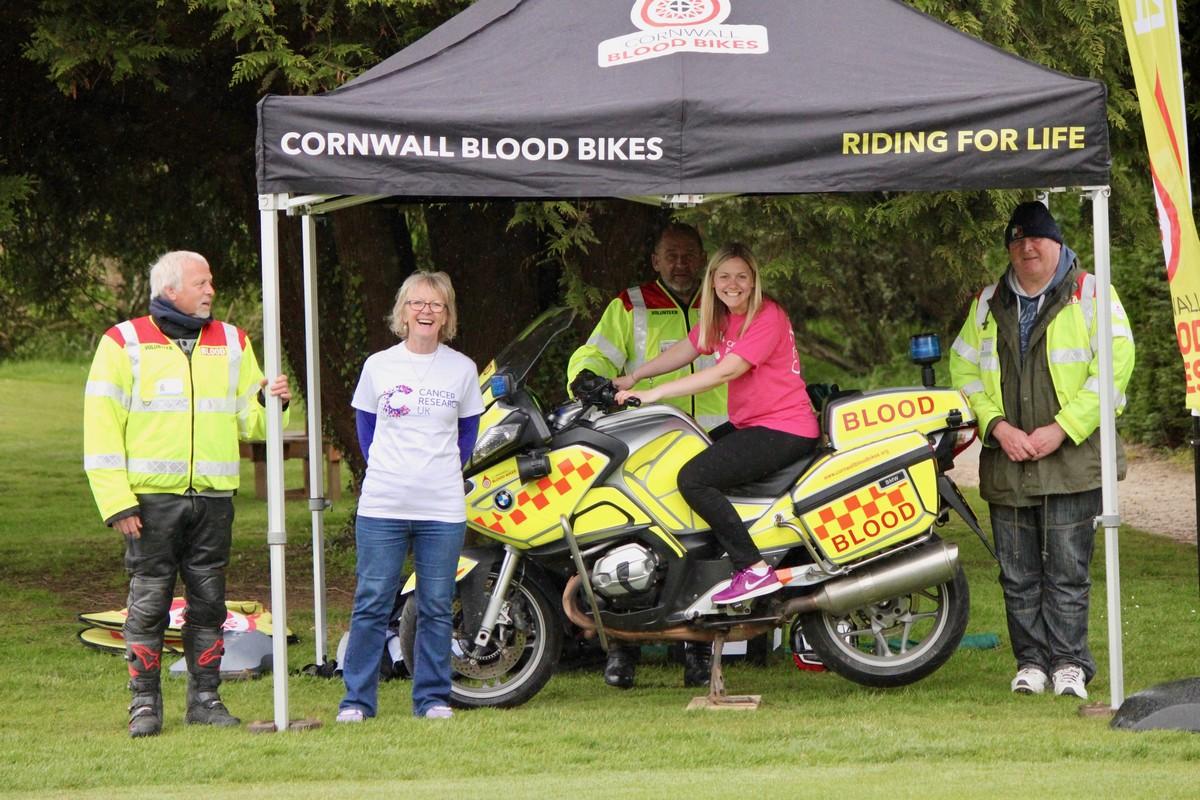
(618, 98)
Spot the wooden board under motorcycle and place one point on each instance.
(581, 518)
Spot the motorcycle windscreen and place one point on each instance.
(860, 501)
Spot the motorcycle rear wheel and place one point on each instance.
(894, 642)
(520, 658)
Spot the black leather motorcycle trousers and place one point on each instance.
(186, 535)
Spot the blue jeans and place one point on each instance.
(1045, 552)
(382, 546)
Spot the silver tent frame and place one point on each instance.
(308, 206)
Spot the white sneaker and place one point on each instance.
(439, 712)
(350, 714)
(1030, 680)
(1069, 680)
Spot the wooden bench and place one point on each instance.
(295, 445)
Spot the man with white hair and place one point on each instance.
(168, 397)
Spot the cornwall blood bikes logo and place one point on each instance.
(667, 27)
(649, 14)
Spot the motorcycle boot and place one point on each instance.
(148, 605)
(697, 663)
(145, 706)
(202, 648)
(621, 665)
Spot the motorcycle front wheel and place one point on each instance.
(897, 641)
(517, 662)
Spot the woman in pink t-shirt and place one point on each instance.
(771, 421)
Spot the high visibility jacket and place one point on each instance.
(638, 325)
(985, 363)
(157, 422)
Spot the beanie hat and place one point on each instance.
(1031, 219)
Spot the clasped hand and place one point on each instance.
(1021, 446)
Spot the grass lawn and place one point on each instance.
(959, 733)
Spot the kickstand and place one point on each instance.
(716, 699)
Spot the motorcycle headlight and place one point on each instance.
(496, 438)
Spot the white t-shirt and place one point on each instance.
(413, 467)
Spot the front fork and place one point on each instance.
(508, 568)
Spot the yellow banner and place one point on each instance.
(1152, 34)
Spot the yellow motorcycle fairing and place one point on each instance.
(527, 514)
(465, 565)
(872, 416)
(652, 475)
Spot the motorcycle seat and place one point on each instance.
(778, 482)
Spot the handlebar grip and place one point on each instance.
(633, 402)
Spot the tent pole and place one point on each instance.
(276, 528)
(1109, 519)
(317, 503)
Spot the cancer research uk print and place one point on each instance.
(681, 26)
(413, 469)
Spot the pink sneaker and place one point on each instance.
(746, 583)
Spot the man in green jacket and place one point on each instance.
(1027, 361)
(641, 322)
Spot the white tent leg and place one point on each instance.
(276, 528)
(317, 503)
(1110, 519)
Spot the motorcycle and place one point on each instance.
(584, 497)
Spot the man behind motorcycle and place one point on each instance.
(639, 324)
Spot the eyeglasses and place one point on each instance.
(435, 306)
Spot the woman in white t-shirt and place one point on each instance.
(417, 409)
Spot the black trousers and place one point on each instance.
(737, 456)
(188, 535)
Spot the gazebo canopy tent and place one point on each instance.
(673, 100)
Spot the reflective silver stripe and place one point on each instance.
(974, 387)
(710, 421)
(981, 310)
(1070, 356)
(133, 352)
(233, 347)
(641, 327)
(154, 466)
(160, 404)
(965, 350)
(704, 362)
(987, 347)
(1087, 299)
(217, 405)
(989, 363)
(109, 390)
(243, 402)
(1122, 331)
(223, 469)
(608, 350)
(105, 461)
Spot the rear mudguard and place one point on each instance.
(949, 492)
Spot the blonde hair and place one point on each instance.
(713, 312)
(167, 271)
(440, 283)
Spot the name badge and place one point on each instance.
(170, 386)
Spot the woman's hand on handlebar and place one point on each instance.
(623, 383)
(642, 397)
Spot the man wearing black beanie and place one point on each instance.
(1026, 358)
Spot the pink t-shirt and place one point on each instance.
(771, 394)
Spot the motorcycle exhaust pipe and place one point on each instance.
(919, 568)
(679, 633)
